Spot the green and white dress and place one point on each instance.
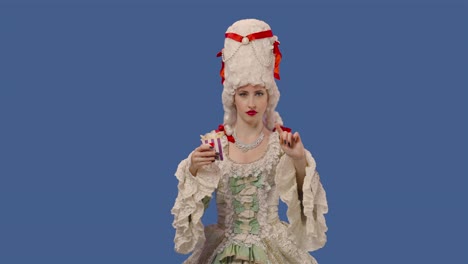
(247, 197)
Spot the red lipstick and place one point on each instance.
(251, 112)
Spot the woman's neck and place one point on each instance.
(248, 132)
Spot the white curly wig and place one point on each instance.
(249, 62)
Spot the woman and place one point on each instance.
(257, 163)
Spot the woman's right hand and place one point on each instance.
(201, 156)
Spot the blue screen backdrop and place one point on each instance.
(100, 100)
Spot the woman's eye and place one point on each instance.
(259, 94)
(243, 94)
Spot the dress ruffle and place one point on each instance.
(307, 225)
(189, 205)
(252, 254)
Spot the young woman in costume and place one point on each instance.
(250, 162)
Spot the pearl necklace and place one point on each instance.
(246, 147)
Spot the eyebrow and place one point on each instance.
(257, 90)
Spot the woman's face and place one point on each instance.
(251, 103)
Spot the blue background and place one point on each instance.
(100, 100)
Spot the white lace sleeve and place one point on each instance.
(189, 206)
(307, 227)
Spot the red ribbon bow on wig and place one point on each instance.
(246, 40)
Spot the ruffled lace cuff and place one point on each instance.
(189, 205)
(307, 226)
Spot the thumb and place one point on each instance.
(296, 137)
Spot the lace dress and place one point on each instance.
(247, 197)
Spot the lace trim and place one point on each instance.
(266, 162)
(279, 247)
(189, 207)
(226, 242)
(307, 226)
(289, 251)
(261, 168)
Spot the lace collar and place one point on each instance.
(263, 164)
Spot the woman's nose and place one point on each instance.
(251, 102)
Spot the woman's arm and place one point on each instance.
(306, 209)
(190, 203)
(293, 147)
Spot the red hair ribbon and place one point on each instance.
(247, 39)
(231, 138)
(250, 37)
(278, 57)
(287, 129)
(221, 72)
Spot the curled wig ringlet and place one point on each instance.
(249, 62)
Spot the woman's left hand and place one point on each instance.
(291, 143)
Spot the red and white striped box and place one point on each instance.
(214, 139)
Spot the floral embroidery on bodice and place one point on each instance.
(245, 203)
(245, 187)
